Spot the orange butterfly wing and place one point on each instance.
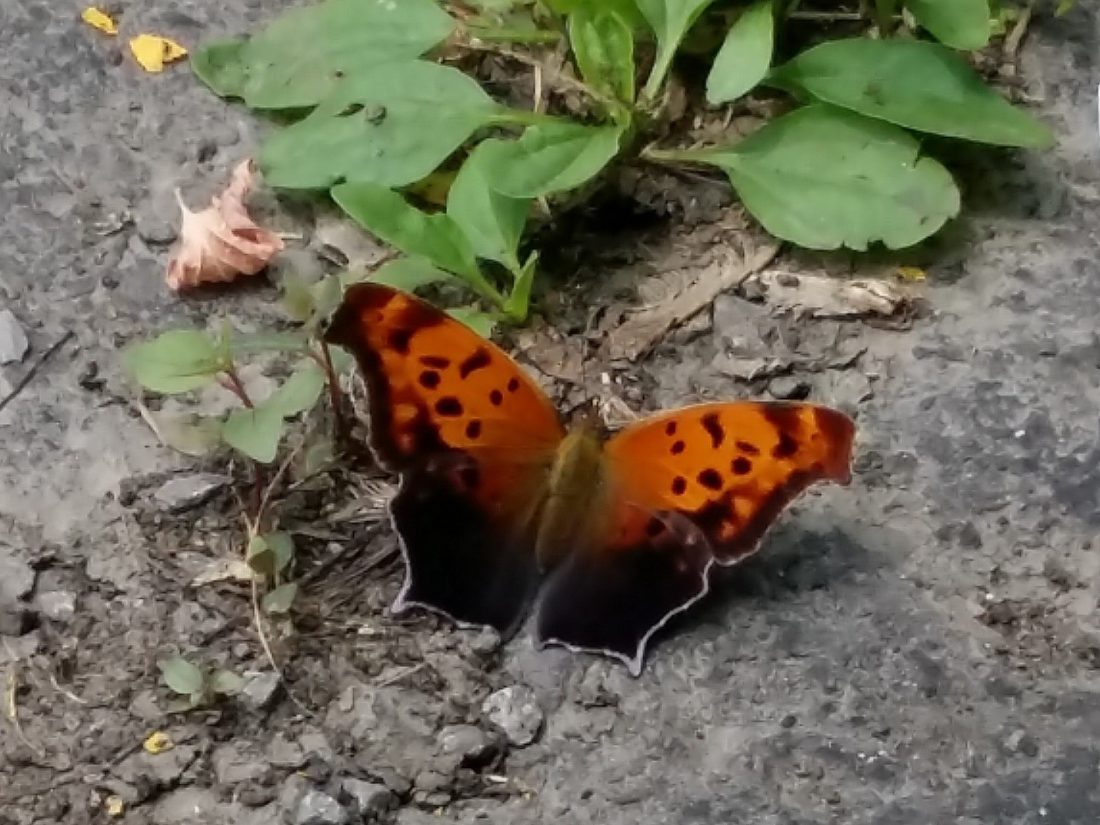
(684, 490)
(474, 439)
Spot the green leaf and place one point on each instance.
(280, 600)
(176, 361)
(188, 433)
(481, 322)
(824, 178)
(282, 547)
(268, 554)
(299, 392)
(921, 85)
(409, 273)
(298, 298)
(254, 432)
(388, 215)
(603, 46)
(745, 56)
(491, 222)
(518, 300)
(308, 52)
(181, 676)
(391, 124)
(670, 21)
(551, 158)
(960, 24)
(226, 682)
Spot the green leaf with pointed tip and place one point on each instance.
(520, 298)
(745, 56)
(181, 676)
(388, 215)
(226, 682)
(308, 52)
(409, 273)
(824, 178)
(281, 599)
(481, 322)
(603, 46)
(392, 124)
(917, 84)
(299, 392)
(176, 361)
(551, 158)
(670, 21)
(492, 222)
(960, 24)
(254, 432)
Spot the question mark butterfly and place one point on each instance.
(499, 501)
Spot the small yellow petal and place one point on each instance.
(114, 807)
(911, 273)
(158, 742)
(98, 19)
(154, 52)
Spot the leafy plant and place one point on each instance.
(382, 112)
(196, 686)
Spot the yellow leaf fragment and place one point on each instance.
(154, 52)
(158, 742)
(221, 242)
(99, 19)
(115, 807)
(912, 273)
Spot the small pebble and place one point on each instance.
(515, 710)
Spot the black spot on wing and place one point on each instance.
(429, 379)
(398, 340)
(473, 430)
(449, 407)
(710, 478)
(478, 361)
(677, 447)
(741, 465)
(670, 428)
(747, 448)
(436, 362)
(713, 425)
(513, 384)
(496, 398)
(679, 486)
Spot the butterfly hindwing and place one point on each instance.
(684, 490)
(473, 437)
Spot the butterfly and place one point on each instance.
(501, 506)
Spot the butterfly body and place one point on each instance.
(500, 503)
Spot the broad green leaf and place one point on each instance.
(181, 676)
(670, 21)
(491, 222)
(824, 178)
(918, 84)
(188, 433)
(603, 46)
(626, 9)
(307, 52)
(269, 554)
(481, 322)
(409, 273)
(254, 432)
(280, 600)
(520, 297)
(326, 295)
(298, 298)
(226, 682)
(176, 361)
(745, 56)
(391, 124)
(282, 546)
(960, 24)
(299, 392)
(550, 158)
(385, 213)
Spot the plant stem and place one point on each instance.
(537, 36)
(335, 397)
(234, 384)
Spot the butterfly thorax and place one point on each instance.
(574, 489)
